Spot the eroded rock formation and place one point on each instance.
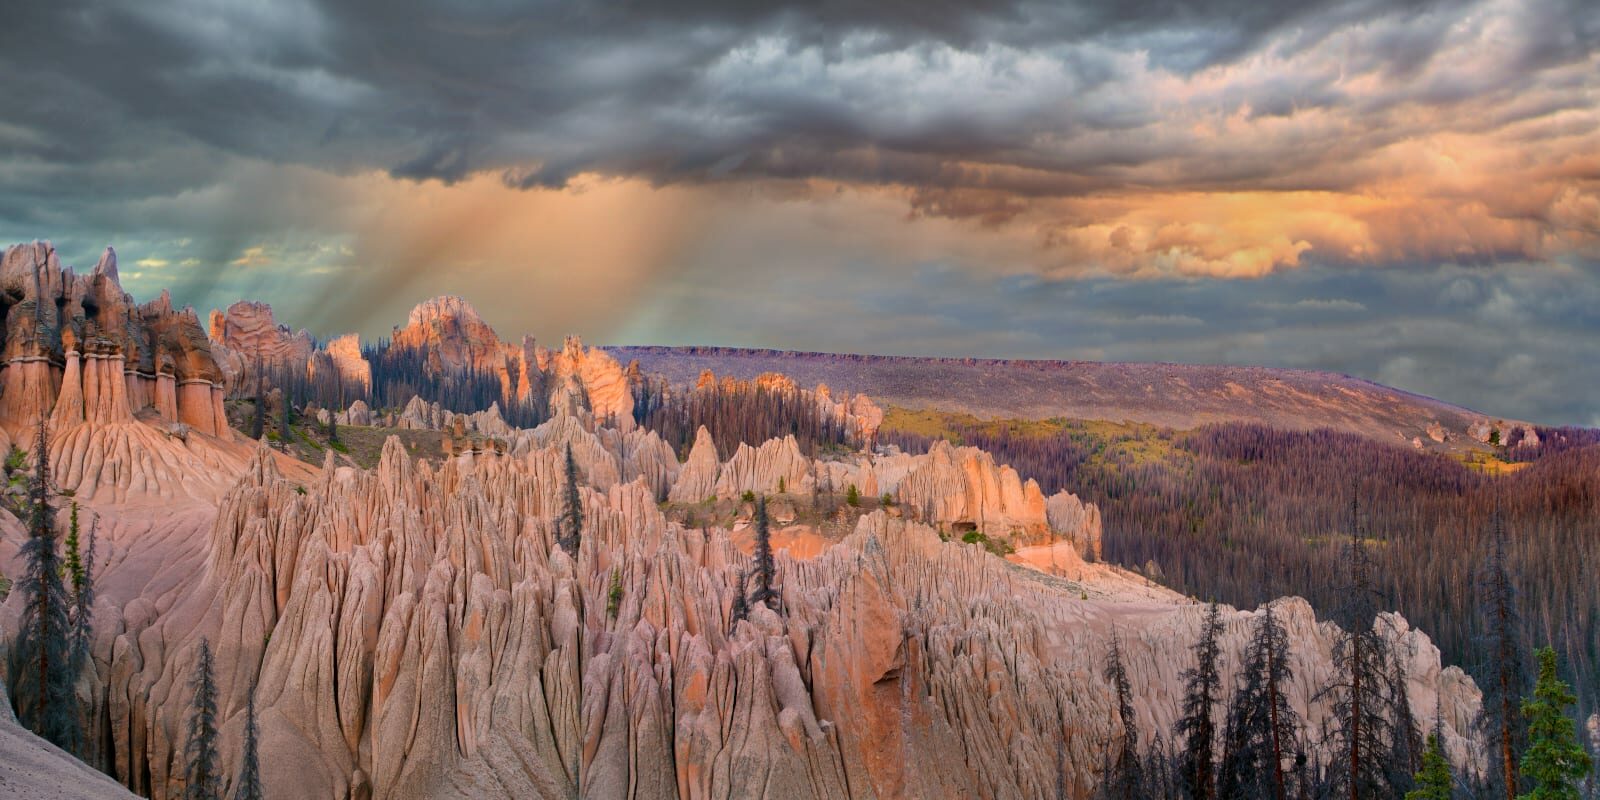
(82, 340)
(413, 631)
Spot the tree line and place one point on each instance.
(735, 413)
(1246, 742)
(1245, 513)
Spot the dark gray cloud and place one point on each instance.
(1414, 180)
(695, 91)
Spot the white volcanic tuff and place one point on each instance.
(762, 469)
(1077, 520)
(463, 654)
(413, 632)
(697, 480)
(964, 484)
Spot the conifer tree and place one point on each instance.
(764, 567)
(285, 418)
(1406, 746)
(1262, 728)
(258, 422)
(570, 533)
(1197, 730)
(1555, 760)
(82, 595)
(249, 785)
(40, 667)
(1433, 781)
(1124, 779)
(1363, 733)
(333, 428)
(741, 607)
(202, 781)
(1500, 721)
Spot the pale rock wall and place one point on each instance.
(413, 631)
(76, 348)
(760, 470)
(963, 485)
(697, 480)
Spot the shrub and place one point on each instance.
(852, 496)
(614, 596)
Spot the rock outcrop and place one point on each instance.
(697, 480)
(963, 486)
(77, 349)
(413, 631)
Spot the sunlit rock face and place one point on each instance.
(413, 631)
(78, 349)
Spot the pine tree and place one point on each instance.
(764, 568)
(1202, 689)
(258, 422)
(1508, 677)
(741, 607)
(1433, 780)
(249, 785)
(82, 571)
(1363, 733)
(1406, 746)
(1555, 761)
(42, 679)
(202, 781)
(1262, 727)
(333, 428)
(285, 418)
(1124, 779)
(570, 533)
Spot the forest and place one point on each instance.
(736, 412)
(1244, 513)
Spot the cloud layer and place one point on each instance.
(345, 159)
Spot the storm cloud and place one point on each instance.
(628, 161)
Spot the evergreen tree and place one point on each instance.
(741, 607)
(1433, 780)
(285, 417)
(1262, 728)
(202, 781)
(1363, 734)
(1555, 761)
(333, 428)
(1508, 678)
(249, 785)
(570, 533)
(764, 567)
(1124, 779)
(1406, 747)
(1202, 690)
(258, 422)
(42, 679)
(82, 572)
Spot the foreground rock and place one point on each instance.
(33, 769)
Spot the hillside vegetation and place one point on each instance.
(1242, 513)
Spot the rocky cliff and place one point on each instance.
(413, 631)
(78, 349)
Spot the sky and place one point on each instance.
(1403, 191)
